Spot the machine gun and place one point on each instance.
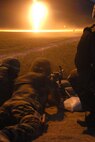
(57, 76)
(57, 86)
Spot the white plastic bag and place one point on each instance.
(73, 104)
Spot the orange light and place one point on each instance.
(38, 14)
(46, 31)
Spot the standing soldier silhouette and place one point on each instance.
(83, 77)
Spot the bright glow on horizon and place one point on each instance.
(46, 31)
(38, 14)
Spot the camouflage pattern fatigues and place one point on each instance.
(20, 116)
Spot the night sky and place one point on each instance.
(72, 13)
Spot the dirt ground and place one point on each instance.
(63, 127)
(60, 51)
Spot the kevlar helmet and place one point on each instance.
(13, 66)
(42, 65)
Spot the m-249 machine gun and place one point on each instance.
(58, 86)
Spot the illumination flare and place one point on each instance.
(39, 13)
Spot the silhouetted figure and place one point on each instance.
(83, 78)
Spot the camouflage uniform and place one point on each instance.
(84, 76)
(23, 111)
(9, 70)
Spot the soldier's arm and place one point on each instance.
(28, 129)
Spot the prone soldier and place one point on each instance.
(20, 116)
